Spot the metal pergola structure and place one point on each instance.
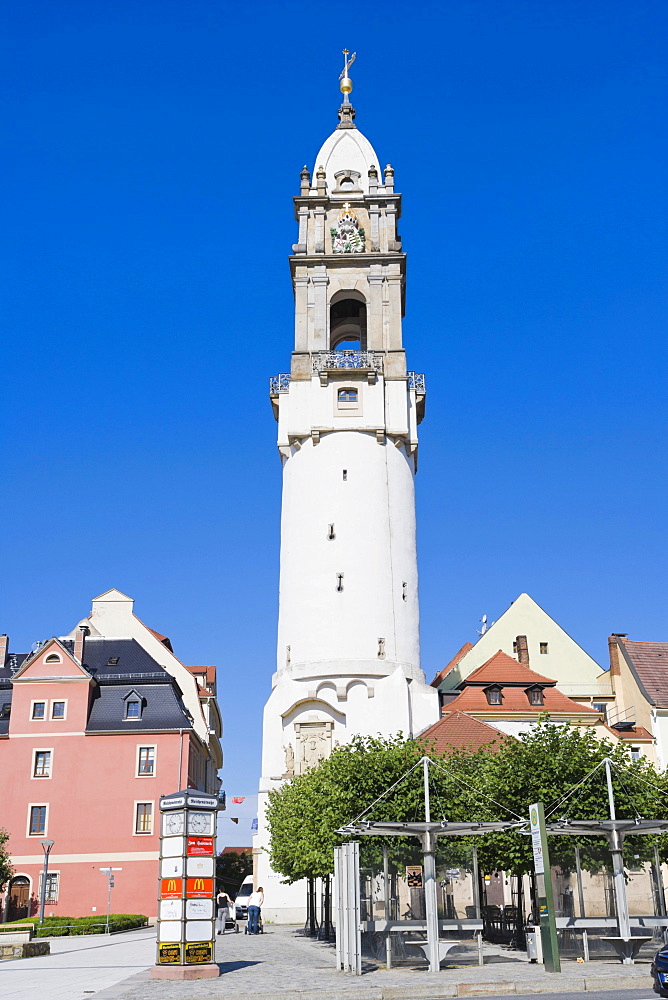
(615, 830)
(427, 832)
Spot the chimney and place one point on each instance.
(613, 650)
(522, 650)
(79, 640)
(4, 648)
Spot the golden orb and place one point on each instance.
(346, 85)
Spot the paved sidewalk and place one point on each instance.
(282, 965)
(78, 967)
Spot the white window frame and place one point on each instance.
(41, 777)
(51, 704)
(57, 658)
(143, 802)
(36, 805)
(344, 406)
(50, 874)
(39, 701)
(147, 746)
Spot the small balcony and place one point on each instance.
(279, 383)
(324, 361)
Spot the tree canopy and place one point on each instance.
(232, 867)
(546, 764)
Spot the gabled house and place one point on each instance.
(639, 673)
(561, 659)
(94, 728)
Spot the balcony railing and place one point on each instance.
(279, 383)
(361, 360)
(416, 381)
(324, 360)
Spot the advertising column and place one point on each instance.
(185, 946)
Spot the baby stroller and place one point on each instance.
(260, 925)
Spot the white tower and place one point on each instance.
(348, 631)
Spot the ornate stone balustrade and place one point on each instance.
(416, 381)
(327, 360)
(279, 383)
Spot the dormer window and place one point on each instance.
(493, 695)
(536, 696)
(134, 705)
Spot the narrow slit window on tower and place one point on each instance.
(330, 532)
(404, 591)
(339, 582)
(345, 475)
(381, 649)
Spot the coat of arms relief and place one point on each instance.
(348, 236)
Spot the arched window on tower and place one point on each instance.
(347, 325)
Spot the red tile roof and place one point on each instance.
(453, 663)
(161, 638)
(210, 672)
(236, 850)
(503, 669)
(514, 679)
(649, 661)
(458, 731)
(631, 734)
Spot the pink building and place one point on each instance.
(94, 728)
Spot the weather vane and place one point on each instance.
(346, 83)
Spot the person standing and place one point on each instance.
(255, 902)
(223, 906)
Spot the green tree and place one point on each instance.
(232, 867)
(306, 813)
(545, 765)
(6, 870)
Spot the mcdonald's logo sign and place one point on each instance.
(199, 888)
(171, 888)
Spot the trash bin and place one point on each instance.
(534, 944)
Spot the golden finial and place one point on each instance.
(346, 84)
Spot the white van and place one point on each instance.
(241, 899)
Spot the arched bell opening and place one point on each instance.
(347, 323)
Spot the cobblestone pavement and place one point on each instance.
(281, 964)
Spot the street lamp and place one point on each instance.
(46, 847)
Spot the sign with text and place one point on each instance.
(171, 888)
(200, 846)
(199, 952)
(169, 954)
(186, 907)
(199, 888)
(414, 876)
(536, 841)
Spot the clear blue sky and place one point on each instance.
(151, 151)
